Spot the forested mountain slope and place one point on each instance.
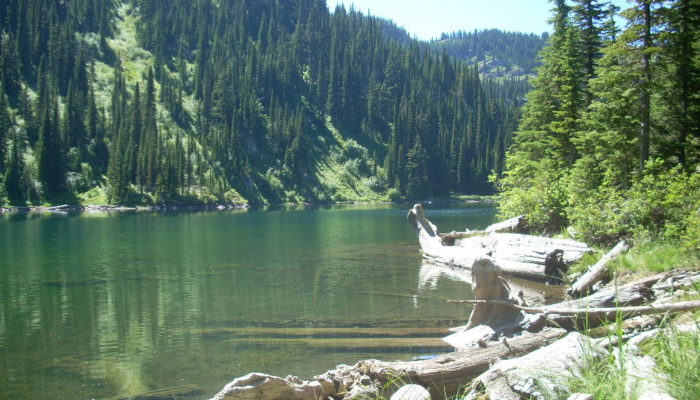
(144, 101)
(497, 53)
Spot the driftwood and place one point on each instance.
(533, 292)
(537, 375)
(598, 271)
(557, 314)
(488, 317)
(443, 375)
(518, 255)
(515, 225)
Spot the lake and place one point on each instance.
(112, 306)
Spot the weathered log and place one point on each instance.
(537, 375)
(557, 313)
(533, 292)
(487, 318)
(262, 386)
(683, 279)
(442, 376)
(519, 255)
(515, 225)
(632, 294)
(598, 271)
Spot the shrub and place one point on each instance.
(394, 195)
(662, 204)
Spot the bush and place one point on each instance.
(663, 204)
(394, 196)
(542, 203)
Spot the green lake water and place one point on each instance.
(112, 306)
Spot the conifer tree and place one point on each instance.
(5, 126)
(13, 178)
(50, 151)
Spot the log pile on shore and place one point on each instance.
(508, 349)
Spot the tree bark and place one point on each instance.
(597, 272)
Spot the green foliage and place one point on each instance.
(663, 203)
(394, 196)
(599, 146)
(541, 199)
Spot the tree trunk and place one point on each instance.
(597, 271)
(645, 96)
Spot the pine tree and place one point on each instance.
(5, 126)
(50, 152)
(13, 181)
(417, 186)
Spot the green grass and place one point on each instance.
(677, 356)
(656, 257)
(645, 259)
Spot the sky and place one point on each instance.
(427, 19)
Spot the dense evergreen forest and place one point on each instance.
(151, 101)
(497, 53)
(609, 140)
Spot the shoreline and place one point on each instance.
(78, 208)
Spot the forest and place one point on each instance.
(609, 140)
(162, 102)
(495, 52)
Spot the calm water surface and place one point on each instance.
(112, 306)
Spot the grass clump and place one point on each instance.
(677, 356)
(656, 257)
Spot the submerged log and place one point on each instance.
(442, 376)
(598, 271)
(518, 255)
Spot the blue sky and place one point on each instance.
(427, 19)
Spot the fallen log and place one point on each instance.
(532, 257)
(597, 272)
(557, 313)
(537, 375)
(442, 376)
(515, 224)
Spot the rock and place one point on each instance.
(411, 392)
(580, 396)
(256, 386)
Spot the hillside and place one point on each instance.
(497, 53)
(147, 102)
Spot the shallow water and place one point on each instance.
(119, 305)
